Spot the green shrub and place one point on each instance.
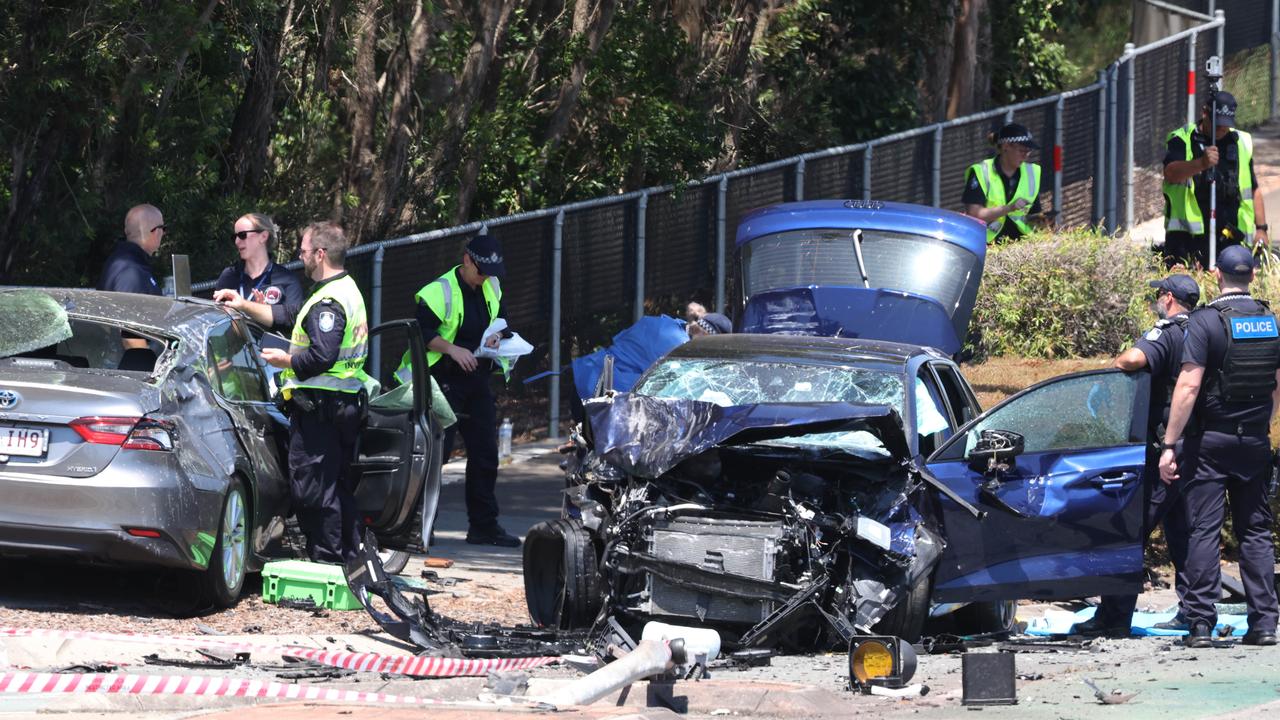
(1075, 294)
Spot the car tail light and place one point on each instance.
(130, 433)
(143, 532)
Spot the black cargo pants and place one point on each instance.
(323, 430)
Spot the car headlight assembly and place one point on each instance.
(883, 661)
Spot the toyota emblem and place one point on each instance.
(9, 399)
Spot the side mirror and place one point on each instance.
(994, 449)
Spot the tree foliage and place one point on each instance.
(394, 116)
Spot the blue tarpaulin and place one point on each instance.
(633, 351)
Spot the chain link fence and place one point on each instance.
(576, 274)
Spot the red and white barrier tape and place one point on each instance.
(360, 662)
(25, 683)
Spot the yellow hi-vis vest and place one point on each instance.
(347, 374)
(439, 296)
(1182, 212)
(1028, 189)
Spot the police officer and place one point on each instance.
(325, 385)
(454, 311)
(1159, 351)
(128, 268)
(1003, 190)
(1191, 160)
(256, 276)
(1224, 400)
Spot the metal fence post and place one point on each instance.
(1128, 150)
(642, 211)
(1275, 58)
(557, 251)
(722, 193)
(1057, 159)
(800, 179)
(1191, 78)
(1100, 154)
(866, 173)
(375, 309)
(1221, 18)
(1113, 119)
(937, 166)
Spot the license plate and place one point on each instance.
(27, 442)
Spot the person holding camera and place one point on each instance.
(326, 389)
(1003, 191)
(1208, 158)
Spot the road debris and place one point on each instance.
(1114, 697)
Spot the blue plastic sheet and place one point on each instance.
(633, 351)
(1141, 625)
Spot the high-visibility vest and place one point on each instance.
(439, 296)
(1028, 189)
(347, 373)
(1181, 211)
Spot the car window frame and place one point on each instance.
(1137, 420)
(238, 327)
(962, 387)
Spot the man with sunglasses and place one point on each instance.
(128, 268)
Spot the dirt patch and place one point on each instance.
(998, 378)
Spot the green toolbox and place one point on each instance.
(326, 585)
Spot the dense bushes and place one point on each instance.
(1074, 294)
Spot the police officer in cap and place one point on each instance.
(454, 311)
(1216, 447)
(326, 388)
(1159, 351)
(1002, 191)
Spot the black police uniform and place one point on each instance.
(1225, 455)
(279, 286)
(128, 269)
(323, 429)
(1181, 244)
(1163, 347)
(973, 195)
(472, 401)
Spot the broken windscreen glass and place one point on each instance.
(32, 320)
(742, 382)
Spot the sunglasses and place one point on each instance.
(241, 235)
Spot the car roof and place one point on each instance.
(953, 227)
(164, 314)
(803, 348)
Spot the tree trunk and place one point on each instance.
(32, 160)
(935, 86)
(246, 156)
(172, 83)
(362, 99)
(751, 23)
(591, 23)
(969, 80)
(324, 54)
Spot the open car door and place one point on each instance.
(397, 465)
(1058, 470)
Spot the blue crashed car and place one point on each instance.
(792, 490)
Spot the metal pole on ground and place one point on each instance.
(936, 187)
(1128, 149)
(642, 210)
(722, 193)
(557, 252)
(1275, 58)
(1057, 158)
(1113, 119)
(1100, 154)
(800, 179)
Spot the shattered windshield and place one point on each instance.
(32, 320)
(916, 264)
(737, 382)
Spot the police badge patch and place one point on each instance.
(272, 295)
(1153, 334)
(327, 320)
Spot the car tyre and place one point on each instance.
(561, 585)
(223, 580)
(906, 619)
(981, 618)
(393, 561)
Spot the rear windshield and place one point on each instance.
(98, 346)
(916, 264)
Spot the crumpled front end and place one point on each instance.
(787, 525)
